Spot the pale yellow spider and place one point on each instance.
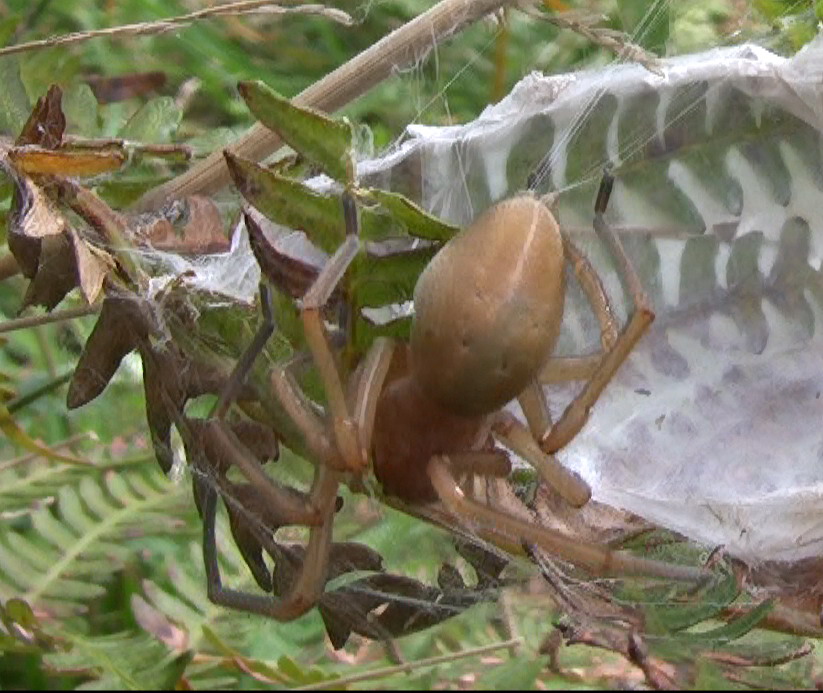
(488, 310)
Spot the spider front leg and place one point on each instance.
(316, 511)
(311, 578)
(577, 413)
(345, 450)
(346, 435)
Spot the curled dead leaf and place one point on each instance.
(56, 273)
(66, 261)
(122, 323)
(290, 274)
(46, 124)
(191, 226)
(92, 265)
(32, 217)
(385, 606)
(35, 160)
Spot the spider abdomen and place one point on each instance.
(488, 308)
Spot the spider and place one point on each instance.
(488, 309)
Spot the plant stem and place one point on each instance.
(35, 320)
(406, 45)
(410, 666)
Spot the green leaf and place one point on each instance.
(290, 203)
(733, 630)
(673, 616)
(417, 222)
(380, 280)
(325, 141)
(14, 103)
(154, 121)
(123, 661)
(517, 674)
(80, 108)
(63, 559)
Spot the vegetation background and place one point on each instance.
(108, 555)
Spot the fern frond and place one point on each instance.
(123, 661)
(61, 562)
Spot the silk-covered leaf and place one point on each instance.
(288, 273)
(191, 226)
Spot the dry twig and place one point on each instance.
(402, 47)
(149, 28)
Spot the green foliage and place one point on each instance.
(60, 561)
(326, 142)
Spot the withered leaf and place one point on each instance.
(35, 160)
(488, 565)
(247, 508)
(287, 273)
(164, 390)
(91, 266)
(46, 123)
(259, 439)
(66, 261)
(249, 516)
(32, 216)
(407, 607)
(259, 442)
(344, 557)
(191, 226)
(169, 380)
(122, 322)
(56, 273)
(123, 87)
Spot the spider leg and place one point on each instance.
(301, 413)
(564, 368)
(346, 436)
(243, 366)
(577, 412)
(595, 292)
(368, 386)
(504, 527)
(298, 512)
(522, 441)
(311, 578)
